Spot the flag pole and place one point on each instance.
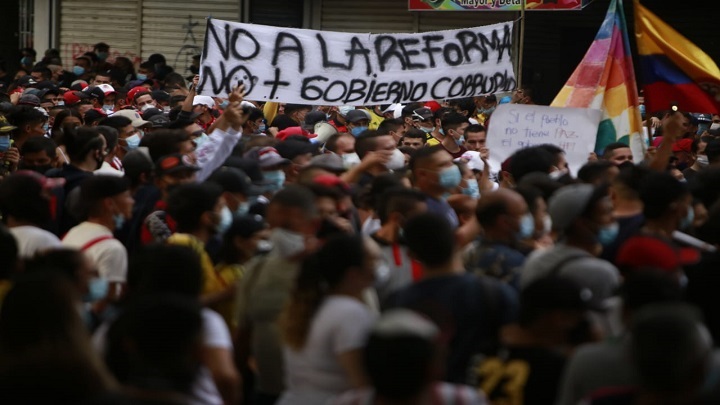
(522, 44)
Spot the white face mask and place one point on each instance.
(350, 160)
(547, 225)
(287, 243)
(702, 161)
(397, 161)
(146, 107)
(714, 126)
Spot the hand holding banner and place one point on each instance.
(332, 68)
(517, 126)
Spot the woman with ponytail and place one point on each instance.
(325, 323)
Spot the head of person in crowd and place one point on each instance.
(255, 123)
(554, 308)
(642, 252)
(66, 118)
(667, 204)
(357, 122)
(454, 125)
(50, 98)
(197, 209)
(146, 71)
(25, 200)
(203, 109)
(712, 150)
(297, 112)
(625, 191)
(476, 138)
(39, 154)
(28, 56)
(344, 265)
(75, 267)
(598, 172)
(293, 218)
(85, 148)
(237, 190)
(154, 346)
(30, 123)
(106, 200)
(272, 165)
(94, 116)
(560, 166)
(413, 138)
(529, 160)
(168, 141)
(379, 151)
(395, 127)
(671, 369)
(111, 141)
(431, 241)
(103, 77)
(143, 100)
(244, 239)
(682, 151)
(504, 217)
(96, 96)
(329, 195)
(40, 73)
(174, 170)
(298, 150)
(343, 145)
(434, 172)
(487, 105)
(139, 169)
(464, 106)
(618, 153)
(47, 356)
(395, 207)
(416, 363)
(537, 206)
(582, 216)
(82, 67)
(422, 119)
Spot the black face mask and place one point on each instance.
(42, 169)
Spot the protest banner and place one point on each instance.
(332, 68)
(517, 126)
(493, 5)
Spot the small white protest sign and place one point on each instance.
(517, 126)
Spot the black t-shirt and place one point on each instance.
(627, 228)
(468, 310)
(520, 376)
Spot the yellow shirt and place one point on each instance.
(375, 119)
(230, 274)
(212, 283)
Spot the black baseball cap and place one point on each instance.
(234, 180)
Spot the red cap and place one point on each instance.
(683, 145)
(653, 252)
(433, 105)
(73, 97)
(132, 92)
(290, 131)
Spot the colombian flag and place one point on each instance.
(605, 80)
(674, 70)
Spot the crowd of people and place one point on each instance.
(164, 247)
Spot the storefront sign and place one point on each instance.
(516, 126)
(493, 5)
(332, 68)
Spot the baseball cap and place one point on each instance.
(5, 125)
(95, 92)
(204, 100)
(25, 81)
(249, 166)
(328, 161)
(293, 131)
(133, 91)
(247, 226)
(558, 292)
(422, 114)
(73, 97)
(160, 95)
(234, 180)
(159, 121)
(106, 89)
(134, 116)
(646, 251)
(174, 163)
(356, 115)
(291, 148)
(29, 99)
(266, 157)
(683, 145)
(568, 203)
(392, 108)
(313, 117)
(151, 112)
(94, 115)
(78, 85)
(102, 186)
(433, 105)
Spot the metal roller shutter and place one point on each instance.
(448, 20)
(280, 13)
(177, 29)
(375, 16)
(84, 23)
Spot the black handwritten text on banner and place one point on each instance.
(322, 67)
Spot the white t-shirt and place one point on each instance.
(31, 240)
(109, 255)
(314, 374)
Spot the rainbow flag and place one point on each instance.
(674, 70)
(605, 80)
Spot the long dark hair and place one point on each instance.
(318, 274)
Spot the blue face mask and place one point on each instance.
(527, 227)
(262, 128)
(78, 70)
(226, 219)
(108, 107)
(449, 177)
(487, 111)
(460, 141)
(686, 222)
(224, 104)
(102, 55)
(5, 143)
(141, 76)
(46, 127)
(97, 289)
(276, 178)
(119, 220)
(242, 209)
(356, 131)
(473, 189)
(26, 61)
(132, 142)
(426, 129)
(201, 140)
(607, 234)
(642, 110)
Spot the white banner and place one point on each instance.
(516, 126)
(332, 68)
